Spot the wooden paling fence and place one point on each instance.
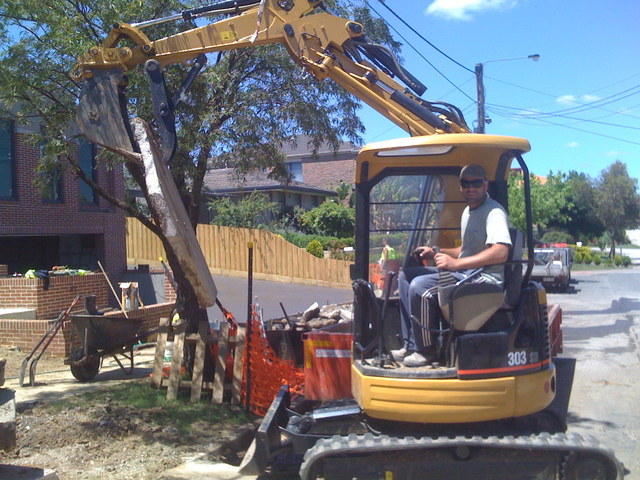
(226, 252)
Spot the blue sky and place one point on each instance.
(588, 75)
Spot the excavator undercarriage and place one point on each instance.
(340, 442)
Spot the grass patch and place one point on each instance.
(139, 395)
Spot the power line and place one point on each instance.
(419, 53)
(419, 35)
(575, 128)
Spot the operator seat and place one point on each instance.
(467, 306)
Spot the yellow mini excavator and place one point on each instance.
(495, 404)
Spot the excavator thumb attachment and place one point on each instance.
(102, 111)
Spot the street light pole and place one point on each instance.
(482, 118)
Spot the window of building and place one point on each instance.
(7, 188)
(87, 161)
(295, 169)
(51, 182)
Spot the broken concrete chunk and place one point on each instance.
(346, 314)
(311, 312)
(321, 322)
(330, 311)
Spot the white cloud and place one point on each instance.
(615, 153)
(566, 99)
(573, 100)
(590, 98)
(463, 9)
(572, 144)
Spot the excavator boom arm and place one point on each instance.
(325, 45)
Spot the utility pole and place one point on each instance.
(480, 89)
(482, 117)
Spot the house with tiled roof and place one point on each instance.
(224, 182)
(326, 167)
(315, 176)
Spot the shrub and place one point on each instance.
(587, 258)
(607, 261)
(315, 248)
(556, 237)
(597, 259)
(626, 260)
(328, 243)
(578, 257)
(331, 219)
(617, 260)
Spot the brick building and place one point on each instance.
(325, 168)
(68, 224)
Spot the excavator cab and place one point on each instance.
(407, 191)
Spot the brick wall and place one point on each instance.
(29, 215)
(17, 292)
(26, 333)
(328, 173)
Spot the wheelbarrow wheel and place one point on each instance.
(84, 369)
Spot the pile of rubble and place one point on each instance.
(317, 316)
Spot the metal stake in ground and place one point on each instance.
(249, 320)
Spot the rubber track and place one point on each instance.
(354, 444)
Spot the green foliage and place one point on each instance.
(345, 193)
(582, 222)
(578, 256)
(617, 202)
(626, 260)
(607, 261)
(328, 243)
(315, 249)
(617, 260)
(597, 259)
(547, 200)
(253, 211)
(330, 219)
(556, 237)
(587, 258)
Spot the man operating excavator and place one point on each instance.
(485, 242)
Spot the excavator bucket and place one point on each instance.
(102, 114)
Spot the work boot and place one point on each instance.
(415, 360)
(398, 355)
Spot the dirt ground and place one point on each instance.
(103, 439)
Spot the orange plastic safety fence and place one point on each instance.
(267, 371)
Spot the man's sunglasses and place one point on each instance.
(477, 183)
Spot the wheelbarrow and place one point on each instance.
(101, 336)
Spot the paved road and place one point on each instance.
(233, 294)
(601, 328)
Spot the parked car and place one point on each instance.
(552, 267)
